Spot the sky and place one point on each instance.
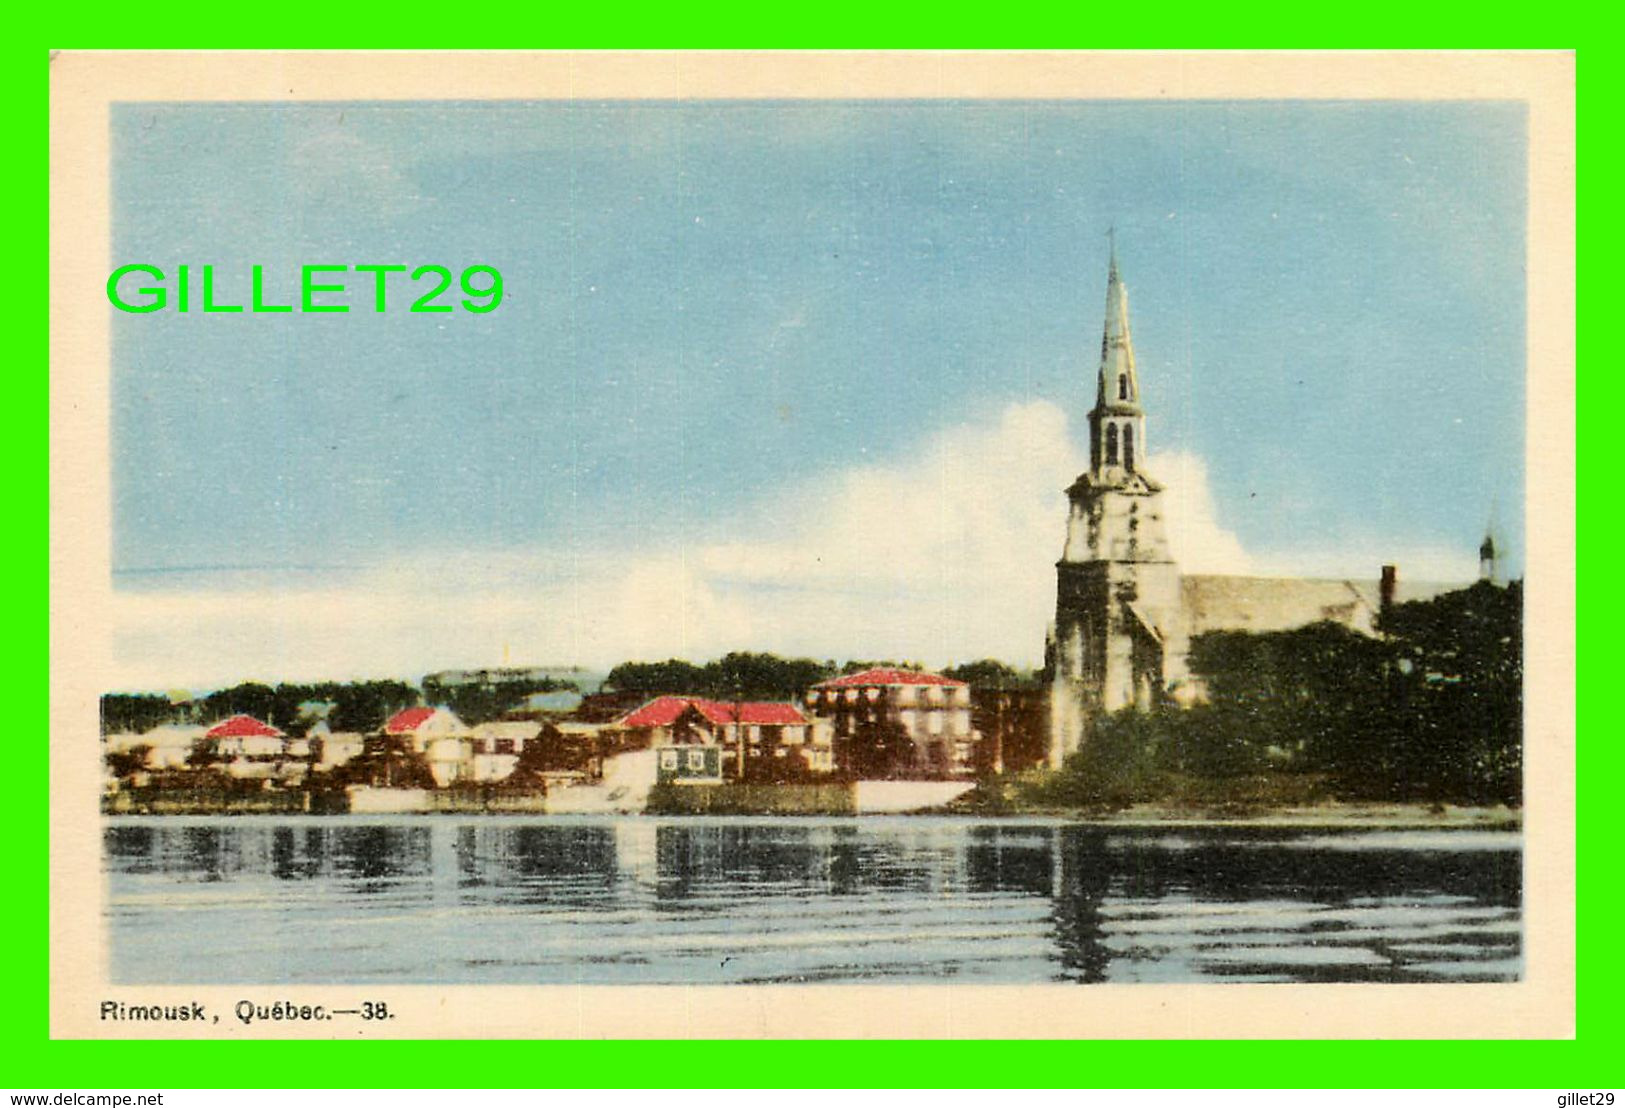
(799, 377)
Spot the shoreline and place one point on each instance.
(1329, 816)
(1386, 816)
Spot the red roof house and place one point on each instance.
(242, 727)
(663, 711)
(408, 720)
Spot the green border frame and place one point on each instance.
(32, 1060)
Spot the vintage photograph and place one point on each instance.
(853, 540)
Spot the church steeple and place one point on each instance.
(1120, 636)
(1117, 423)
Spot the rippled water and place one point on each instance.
(654, 901)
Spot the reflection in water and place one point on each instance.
(636, 900)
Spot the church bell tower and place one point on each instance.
(1119, 638)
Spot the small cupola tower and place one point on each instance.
(1492, 552)
(1489, 560)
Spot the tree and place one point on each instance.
(654, 678)
(386, 762)
(364, 706)
(879, 748)
(552, 752)
(1431, 711)
(127, 763)
(739, 675)
(489, 695)
(990, 673)
(1116, 766)
(136, 713)
(747, 676)
(1460, 670)
(249, 698)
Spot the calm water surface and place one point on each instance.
(642, 900)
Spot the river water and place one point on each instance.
(643, 900)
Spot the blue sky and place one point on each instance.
(709, 306)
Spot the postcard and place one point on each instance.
(812, 545)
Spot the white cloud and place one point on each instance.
(945, 553)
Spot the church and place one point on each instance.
(1124, 613)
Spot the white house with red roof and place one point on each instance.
(699, 740)
(894, 722)
(251, 749)
(445, 741)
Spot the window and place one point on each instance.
(1128, 446)
(1122, 386)
(1111, 444)
(504, 746)
(668, 759)
(696, 761)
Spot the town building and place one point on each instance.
(331, 749)
(497, 747)
(174, 745)
(445, 742)
(898, 723)
(708, 741)
(1124, 613)
(250, 749)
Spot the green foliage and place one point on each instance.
(135, 713)
(858, 665)
(990, 673)
(364, 705)
(1430, 712)
(1212, 741)
(736, 676)
(655, 678)
(475, 702)
(1433, 711)
(287, 712)
(879, 748)
(555, 752)
(385, 762)
(127, 763)
(1115, 767)
(249, 698)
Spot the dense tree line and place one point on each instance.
(736, 676)
(1431, 711)
(295, 708)
(990, 673)
(748, 676)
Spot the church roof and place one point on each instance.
(1216, 602)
